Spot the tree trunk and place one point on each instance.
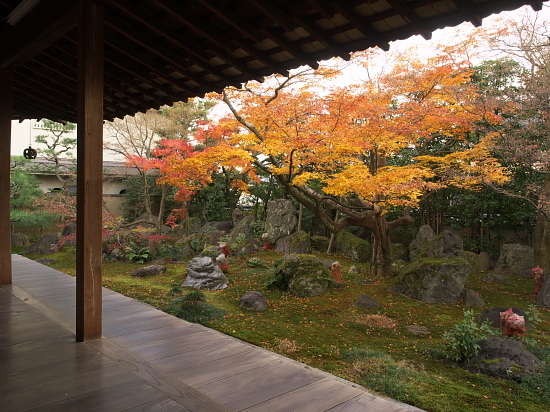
(381, 247)
(162, 205)
(544, 252)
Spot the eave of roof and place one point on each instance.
(158, 52)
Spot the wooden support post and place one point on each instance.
(89, 171)
(6, 91)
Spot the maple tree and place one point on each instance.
(331, 148)
(145, 138)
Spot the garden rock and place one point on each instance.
(320, 243)
(399, 251)
(484, 262)
(203, 273)
(493, 277)
(433, 280)
(148, 271)
(46, 261)
(516, 259)
(249, 247)
(191, 245)
(505, 359)
(301, 275)
(543, 297)
(493, 315)
(422, 244)
(353, 270)
(366, 302)
(242, 230)
(213, 237)
(281, 219)
(429, 245)
(296, 243)
(473, 259)
(19, 239)
(222, 225)
(69, 229)
(253, 300)
(353, 247)
(472, 298)
(45, 245)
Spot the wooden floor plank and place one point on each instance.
(161, 405)
(260, 384)
(169, 347)
(371, 403)
(233, 365)
(54, 391)
(113, 399)
(317, 396)
(201, 355)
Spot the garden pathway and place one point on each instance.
(147, 360)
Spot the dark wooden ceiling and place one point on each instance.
(161, 51)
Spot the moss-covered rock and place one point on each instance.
(433, 280)
(301, 275)
(505, 359)
(296, 243)
(399, 251)
(473, 259)
(353, 247)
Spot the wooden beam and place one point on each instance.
(89, 171)
(6, 91)
(46, 22)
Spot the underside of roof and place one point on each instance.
(161, 51)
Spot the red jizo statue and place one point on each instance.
(512, 323)
(336, 272)
(538, 278)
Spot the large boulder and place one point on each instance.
(423, 244)
(516, 259)
(505, 359)
(203, 273)
(301, 275)
(281, 219)
(297, 243)
(353, 247)
(433, 280)
(429, 245)
(69, 229)
(242, 231)
(191, 245)
(45, 245)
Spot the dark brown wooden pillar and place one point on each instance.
(89, 171)
(6, 92)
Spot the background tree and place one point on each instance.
(59, 147)
(524, 137)
(29, 207)
(135, 138)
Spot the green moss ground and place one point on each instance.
(328, 332)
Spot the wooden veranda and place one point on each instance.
(147, 360)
